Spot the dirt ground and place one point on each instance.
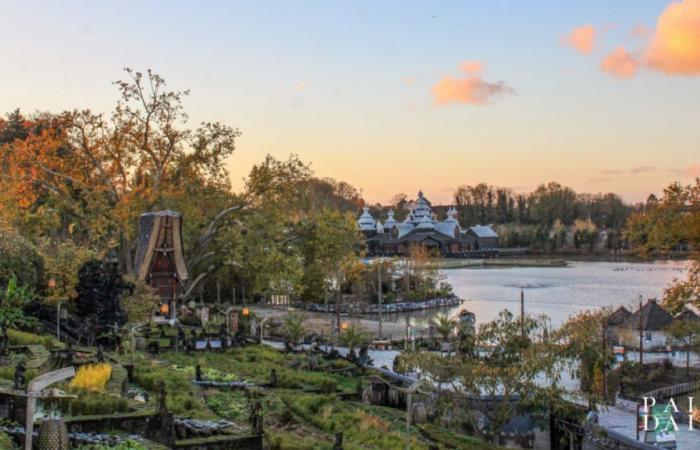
(322, 323)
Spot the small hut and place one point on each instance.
(159, 257)
(654, 322)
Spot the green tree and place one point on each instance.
(294, 327)
(514, 356)
(672, 223)
(688, 332)
(583, 345)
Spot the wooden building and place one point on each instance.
(421, 227)
(159, 258)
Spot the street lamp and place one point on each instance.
(262, 327)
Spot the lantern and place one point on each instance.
(245, 312)
(344, 326)
(52, 283)
(164, 309)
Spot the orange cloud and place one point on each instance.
(472, 90)
(675, 47)
(581, 38)
(620, 63)
(471, 67)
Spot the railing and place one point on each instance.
(673, 391)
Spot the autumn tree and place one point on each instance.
(672, 223)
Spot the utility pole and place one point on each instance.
(605, 350)
(522, 311)
(379, 297)
(641, 333)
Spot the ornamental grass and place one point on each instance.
(92, 377)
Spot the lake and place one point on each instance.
(557, 292)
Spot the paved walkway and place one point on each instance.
(624, 422)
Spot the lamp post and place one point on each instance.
(262, 327)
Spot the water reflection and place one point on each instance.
(557, 292)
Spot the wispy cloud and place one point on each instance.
(582, 38)
(470, 67)
(599, 180)
(689, 172)
(410, 81)
(641, 31)
(643, 169)
(611, 172)
(620, 63)
(470, 89)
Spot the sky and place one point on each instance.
(394, 96)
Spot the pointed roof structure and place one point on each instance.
(390, 221)
(654, 317)
(619, 316)
(160, 234)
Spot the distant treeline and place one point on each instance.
(551, 218)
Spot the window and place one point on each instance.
(648, 335)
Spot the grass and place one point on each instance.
(17, 337)
(360, 428)
(254, 363)
(183, 398)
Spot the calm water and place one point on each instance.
(557, 291)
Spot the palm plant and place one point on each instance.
(352, 337)
(294, 326)
(13, 299)
(444, 326)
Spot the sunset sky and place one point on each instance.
(395, 96)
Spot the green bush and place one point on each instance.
(13, 299)
(92, 404)
(17, 337)
(19, 257)
(6, 442)
(126, 445)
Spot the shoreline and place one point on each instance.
(322, 323)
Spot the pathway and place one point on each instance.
(624, 422)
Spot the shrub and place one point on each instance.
(17, 337)
(90, 404)
(92, 377)
(13, 299)
(6, 442)
(19, 257)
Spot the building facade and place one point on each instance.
(420, 227)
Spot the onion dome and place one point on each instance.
(366, 222)
(390, 221)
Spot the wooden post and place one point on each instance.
(218, 293)
(605, 369)
(379, 297)
(522, 311)
(641, 333)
